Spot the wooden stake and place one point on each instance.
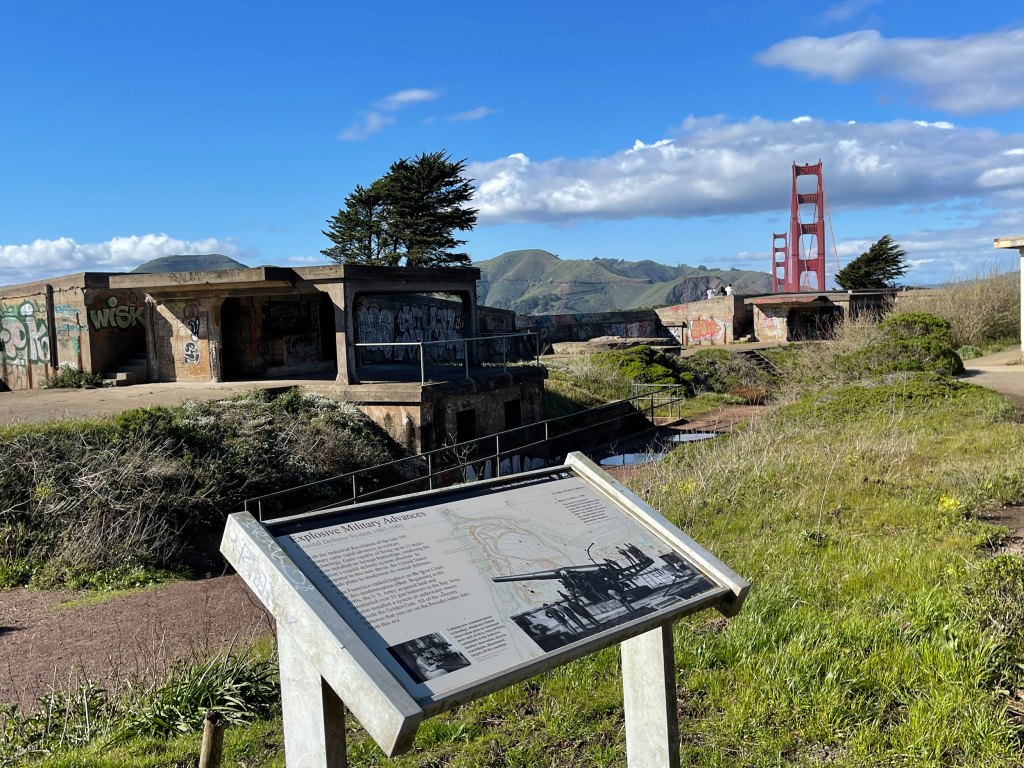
(213, 741)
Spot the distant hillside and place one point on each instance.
(538, 282)
(190, 263)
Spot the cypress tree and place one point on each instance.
(877, 267)
(411, 213)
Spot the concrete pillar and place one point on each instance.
(314, 726)
(215, 339)
(649, 699)
(152, 361)
(346, 367)
(1018, 244)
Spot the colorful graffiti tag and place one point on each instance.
(704, 329)
(112, 314)
(24, 335)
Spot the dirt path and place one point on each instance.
(136, 636)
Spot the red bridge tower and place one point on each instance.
(792, 269)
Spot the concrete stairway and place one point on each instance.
(760, 361)
(134, 370)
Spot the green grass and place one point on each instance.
(879, 630)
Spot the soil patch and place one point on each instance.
(136, 637)
(1012, 517)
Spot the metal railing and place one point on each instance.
(468, 460)
(504, 348)
(659, 397)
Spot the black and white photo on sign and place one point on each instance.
(577, 601)
(428, 657)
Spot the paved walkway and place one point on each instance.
(1002, 372)
(53, 404)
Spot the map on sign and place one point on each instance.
(453, 588)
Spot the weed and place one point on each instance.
(239, 687)
(67, 377)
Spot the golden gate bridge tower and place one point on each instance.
(794, 269)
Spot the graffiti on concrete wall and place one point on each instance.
(771, 325)
(704, 329)
(24, 334)
(382, 323)
(510, 465)
(302, 349)
(69, 328)
(191, 328)
(109, 312)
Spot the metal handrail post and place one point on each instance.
(430, 471)
(465, 355)
(423, 366)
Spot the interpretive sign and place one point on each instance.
(440, 597)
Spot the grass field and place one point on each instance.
(879, 631)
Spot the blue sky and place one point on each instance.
(664, 130)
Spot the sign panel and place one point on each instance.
(452, 589)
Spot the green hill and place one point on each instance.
(538, 282)
(189, 263)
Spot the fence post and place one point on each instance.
(423, 366)
(354, 491)
(497, 454)
(465, 355)
(430, 471)
(213, 741)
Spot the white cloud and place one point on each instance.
(472, 114)
(366, 126)
(47, 258)
(803, 119)
(718, 168)
(400, 99)
(847, 10)
(375, 120)
(967, 75)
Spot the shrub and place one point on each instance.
(151, 488)
(642, 364)
(980, 309)
(721, 371)
(910, 341)
(67, 377)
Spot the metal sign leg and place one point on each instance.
(314, 726)
(649, 699)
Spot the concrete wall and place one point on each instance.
(492, 320)
(770, 323)
(433, 421)
(116, 321)
(277, 336)
(383, 318)
(488, 406)
(185, 340)
(81, 325)
(717, 321)
(640, 324)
